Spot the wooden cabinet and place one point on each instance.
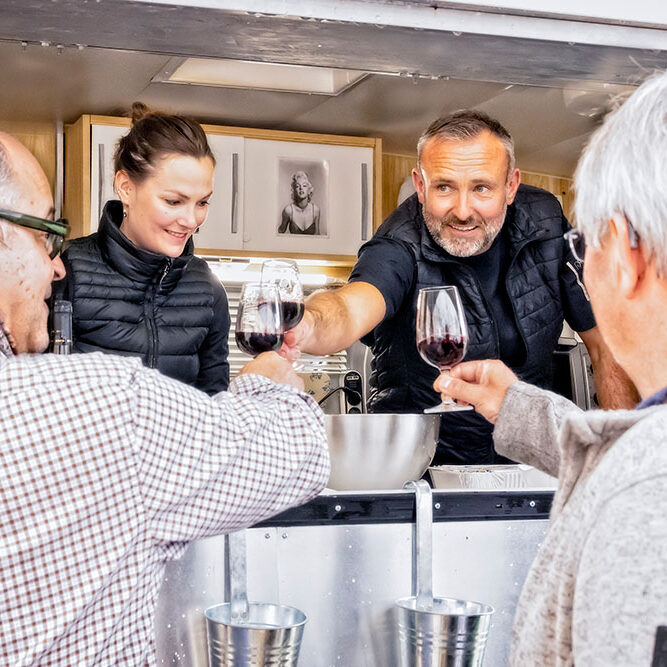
(252, 210)
(103, 140)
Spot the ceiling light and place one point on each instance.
(257, 75)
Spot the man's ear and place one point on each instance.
(418, 182)
(123, 186)
(513, 186)
(630, 263)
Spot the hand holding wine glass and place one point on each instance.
(442, 334)
(482, 383)
(274, 367)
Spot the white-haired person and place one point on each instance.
(108, 469)
(597, 590)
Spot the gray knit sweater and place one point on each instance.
(597, 589)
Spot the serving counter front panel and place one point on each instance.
(344, 559)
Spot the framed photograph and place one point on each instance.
(303, 195)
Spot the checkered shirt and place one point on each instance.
(107, 471)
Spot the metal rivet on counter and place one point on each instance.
(338, 508)
(267, 536)
(532, 503)
(284, 536)
(437, 506)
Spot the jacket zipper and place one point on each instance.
(473, 275)
(149, 311)
(519, 326)
(509, 296)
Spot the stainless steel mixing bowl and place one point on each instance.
(376, 451)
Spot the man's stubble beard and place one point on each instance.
(462, 247)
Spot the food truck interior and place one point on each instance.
(329, 78)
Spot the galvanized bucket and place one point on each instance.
(271, 636)
(243, 634)
(437, 632)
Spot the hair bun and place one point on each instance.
(139, 111)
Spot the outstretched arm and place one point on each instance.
(527, 419)
(335, 319)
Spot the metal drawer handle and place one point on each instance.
(235, 191)
(100, 180)
(364, 201)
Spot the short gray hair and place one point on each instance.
(622, 172)
(464, 125)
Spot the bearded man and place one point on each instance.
(472, 225)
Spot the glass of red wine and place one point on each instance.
(442, 334)
(259, 319)
(284, 274)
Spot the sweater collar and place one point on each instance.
(658, 398)
(134, 262)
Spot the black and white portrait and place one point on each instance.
(303, 189)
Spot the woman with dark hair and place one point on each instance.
(301, 216)
(135, 285)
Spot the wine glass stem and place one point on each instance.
(447, 400)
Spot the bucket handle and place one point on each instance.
(422, 544)
(235, 573)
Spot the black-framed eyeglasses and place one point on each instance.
(575, 238)
(55, 230)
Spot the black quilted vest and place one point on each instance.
(133, 302)
(402, 382)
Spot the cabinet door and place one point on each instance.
(103, 140)
(223, 228)
(341, 204)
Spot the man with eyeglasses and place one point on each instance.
(597, 591)
(29, 244)
(108, 469)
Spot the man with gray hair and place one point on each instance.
(472, 225)
(108, 469)
(597, 590)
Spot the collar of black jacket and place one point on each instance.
(518, 224)
(136, 263)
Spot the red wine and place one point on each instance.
(254, 343)
(292, 313)
(442, 351)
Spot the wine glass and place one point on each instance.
(442, 334)
(259, 320)
(284, 274)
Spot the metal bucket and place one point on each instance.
(451, 634)
(437, 632)
(271, 636)
(243, 634)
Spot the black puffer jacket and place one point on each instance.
(172, 312)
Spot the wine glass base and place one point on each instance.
(447, 407)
